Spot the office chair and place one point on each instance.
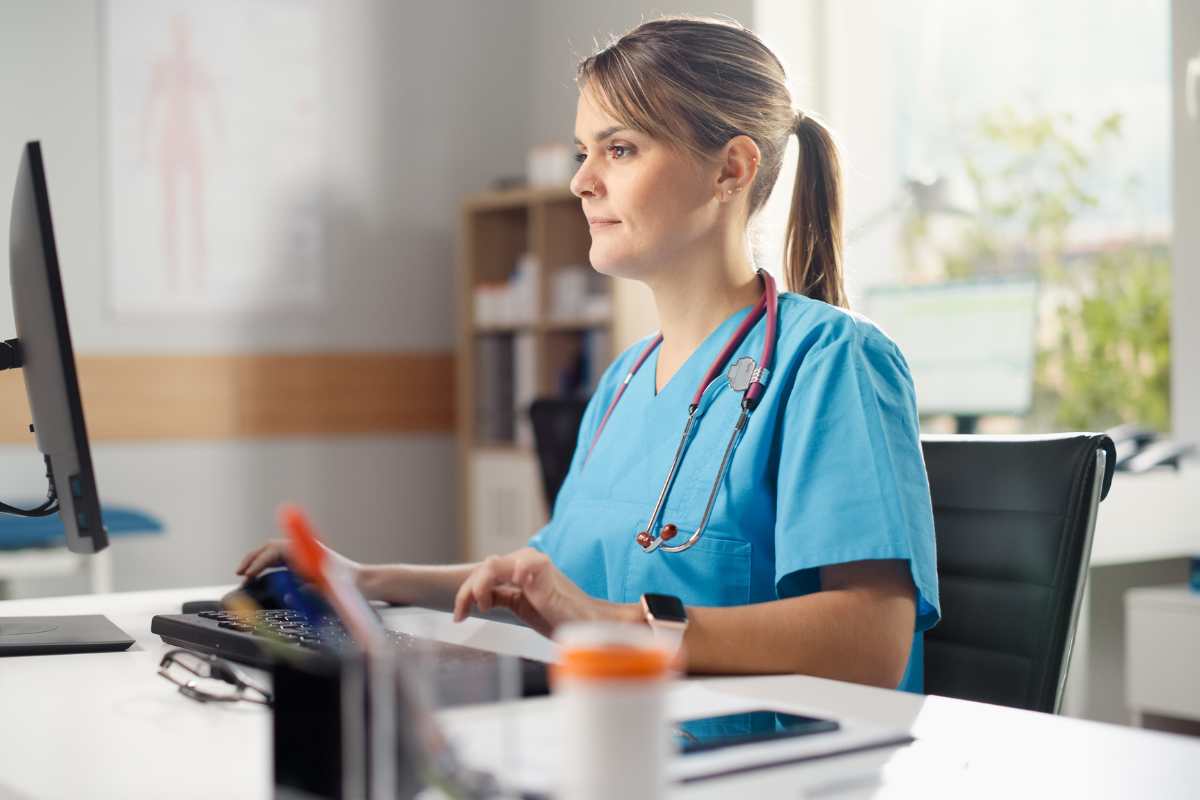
(1013, 519)
(555, 428)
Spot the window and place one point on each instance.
(986, 146)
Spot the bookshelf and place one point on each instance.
(534, 321)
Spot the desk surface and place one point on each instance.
(104, 725)
(1149, 517)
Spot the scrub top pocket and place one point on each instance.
(715, 571)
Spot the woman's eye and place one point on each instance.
(617, 151)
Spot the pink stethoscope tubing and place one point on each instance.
(768, 304)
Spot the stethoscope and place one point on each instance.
(744, 376)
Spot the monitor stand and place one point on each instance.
(965, 423)
(85, 633)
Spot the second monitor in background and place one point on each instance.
(969, 344)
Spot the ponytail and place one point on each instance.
(813, 248)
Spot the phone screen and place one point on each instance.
(712, 733)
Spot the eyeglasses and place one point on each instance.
(209, 679)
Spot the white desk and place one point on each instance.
(1154, 516)
(105, 725)
(1162, 652)
(1145, 530)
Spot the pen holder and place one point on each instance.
(334, 724)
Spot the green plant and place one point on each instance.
(1104, 352)
(1112, 361)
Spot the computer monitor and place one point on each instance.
(970, 344)
(43, 351)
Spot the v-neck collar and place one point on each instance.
(707, 349)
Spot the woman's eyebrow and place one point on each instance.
(604, 134)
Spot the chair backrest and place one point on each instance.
(1013, 517)
(555, 428)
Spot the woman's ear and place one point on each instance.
(739, 161)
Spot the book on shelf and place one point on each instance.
(506, 372)
(580, 374)
(525, 387)
(511, 302)
(494, 412)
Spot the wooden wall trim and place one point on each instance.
(147, 397)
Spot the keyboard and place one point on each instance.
(461, 674)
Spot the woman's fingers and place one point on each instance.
(472, 592)
(516, 601)
(247, 560)
(269, 555)
(528, 566)
(479, 587)
(260, 562)
(462, 599)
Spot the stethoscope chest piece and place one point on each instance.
(741, 373)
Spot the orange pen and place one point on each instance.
(314, 565)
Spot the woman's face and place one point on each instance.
(648, 205)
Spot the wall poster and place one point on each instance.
(214, 155)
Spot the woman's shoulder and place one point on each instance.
(827, 340)
(815, 323)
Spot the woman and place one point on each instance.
(817, 555)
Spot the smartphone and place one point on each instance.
(747, 727)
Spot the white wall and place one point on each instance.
(424, 103)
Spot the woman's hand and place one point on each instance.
(271, 554)
(527, 583)
(276, 552)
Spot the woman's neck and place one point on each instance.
(693, 302)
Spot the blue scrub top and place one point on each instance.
(829, 470)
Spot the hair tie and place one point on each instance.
(799, 123)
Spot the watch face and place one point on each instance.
(665, 607)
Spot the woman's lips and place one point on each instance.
(597, 224)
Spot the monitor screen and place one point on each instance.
(969, 344)
(47, 359)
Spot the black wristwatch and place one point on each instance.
(667, 618)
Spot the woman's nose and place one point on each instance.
(585, 181)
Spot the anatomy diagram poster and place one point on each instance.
(214, 146)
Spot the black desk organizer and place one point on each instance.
(323, 734)
(322, 730)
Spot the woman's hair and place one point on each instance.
(700, 82)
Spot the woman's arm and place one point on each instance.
(431, 586)
(858, 628)
(407, 584)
